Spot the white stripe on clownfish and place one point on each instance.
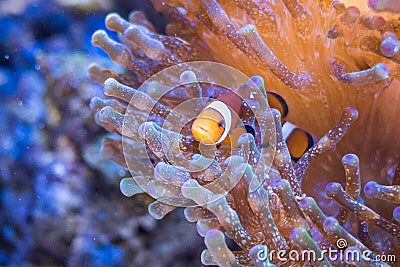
(226, 114)
(287, 129)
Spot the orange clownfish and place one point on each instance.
(217, 119)
(297, 140)
(217, 123)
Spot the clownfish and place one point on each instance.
(217, 119)
(217, 123)
(297, 140)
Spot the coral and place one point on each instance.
(334, 65)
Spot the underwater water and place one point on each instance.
(206, 132)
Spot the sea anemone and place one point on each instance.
(335, 66)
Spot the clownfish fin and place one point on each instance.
(249, 129)
(297, 140)
(277, 102)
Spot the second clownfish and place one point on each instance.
(218, 120)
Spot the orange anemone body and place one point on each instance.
(320, 45)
